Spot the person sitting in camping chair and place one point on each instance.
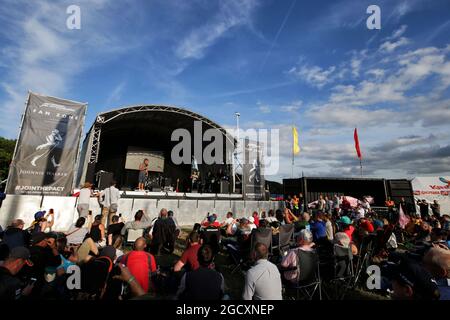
(289, 264)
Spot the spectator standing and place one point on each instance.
(77, 233)
(84, 198)
(424, 209)
(110, 200)
(336, 205)
(163, 234)
(97, 231)
(318, 228)
(436, 209)
(114, 229)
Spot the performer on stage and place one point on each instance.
(143, 173)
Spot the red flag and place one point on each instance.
(358, 150)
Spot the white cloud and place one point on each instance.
(265, 109)
(292, 107)
(376, 73)
(43, 56)
(314, 75)
(397, 33)
(116, 93)
(232, 13)
(389, 46)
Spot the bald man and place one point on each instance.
(140, 263)
(437, 262)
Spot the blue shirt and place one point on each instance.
(318, 230)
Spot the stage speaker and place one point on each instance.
(225, 186)
(104, 179)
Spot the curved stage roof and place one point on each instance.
(145, 126)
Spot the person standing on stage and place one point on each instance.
(110, 199)
(84, 199)
(143, 173)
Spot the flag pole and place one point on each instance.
(293, 146)
(360, 166)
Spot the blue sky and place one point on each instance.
(309, 63)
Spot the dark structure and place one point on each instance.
(147, 126)
(379, 189)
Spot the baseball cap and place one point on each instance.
(345, 220)
(21, 253)
(39, 214)
(38, 237)
(412, 274)
(251, 219)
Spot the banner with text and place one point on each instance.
(253, 184)
(47, 149)
(433, 188)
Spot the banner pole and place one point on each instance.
(79, 147)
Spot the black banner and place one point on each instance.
(253, 178)
(46, 152)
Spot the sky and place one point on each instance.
(312, 64)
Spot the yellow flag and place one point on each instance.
(295, 146)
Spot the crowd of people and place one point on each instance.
(411, 250)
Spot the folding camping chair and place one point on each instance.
(284, 238)
(308, 281)
(261, 235)
(133, 235)
(211, 236)
(342, 273)
(365, 253)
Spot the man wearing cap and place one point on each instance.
(412, 282)
(211, 221)
(10, 285)
(44, 254)
(347, 227)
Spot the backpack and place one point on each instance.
(152, 276)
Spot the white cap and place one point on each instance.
(251, 219)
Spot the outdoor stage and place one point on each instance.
(188, 208)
